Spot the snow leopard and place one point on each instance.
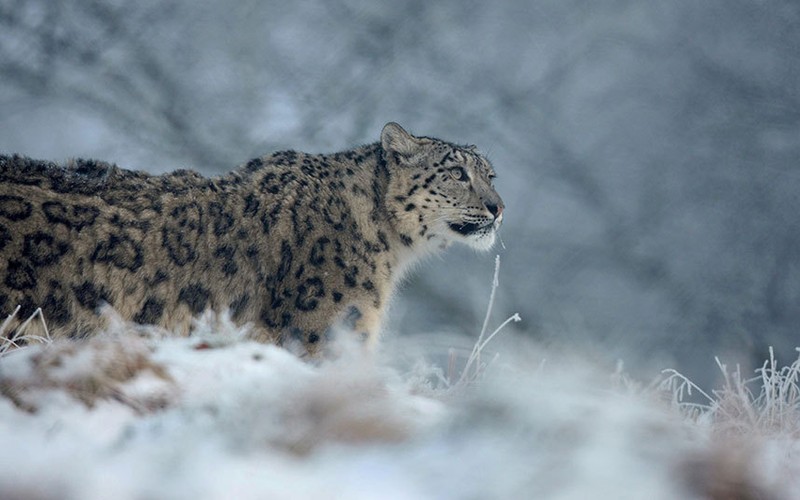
(297, 246)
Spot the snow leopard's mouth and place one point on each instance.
(468, 228)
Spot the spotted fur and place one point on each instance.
(294, 243)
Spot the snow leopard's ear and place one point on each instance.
(395, 139)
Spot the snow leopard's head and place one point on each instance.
(440, 192)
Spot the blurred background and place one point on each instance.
(648, 152)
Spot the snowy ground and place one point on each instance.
(213, 416)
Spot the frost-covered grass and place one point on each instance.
(766, 404)
(136, 413)
(21, 333)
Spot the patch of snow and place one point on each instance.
(237, 419)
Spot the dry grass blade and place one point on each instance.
(473, 366)
(20, 335)
(8, 320)
(8, 343)
(681, 387)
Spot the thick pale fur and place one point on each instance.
(299, 245)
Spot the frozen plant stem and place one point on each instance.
(495, 284)
(474, 357)
(515, 318)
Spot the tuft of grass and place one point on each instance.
(10, 339)
(767, 403)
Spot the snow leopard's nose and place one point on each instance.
(496, 210)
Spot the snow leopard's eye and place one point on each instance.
(459, 174)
